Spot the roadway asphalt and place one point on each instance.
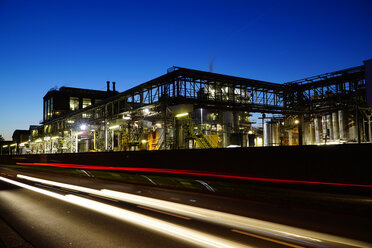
(44, 221)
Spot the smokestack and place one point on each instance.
(108, 86)
(211, 64)
(113, 86)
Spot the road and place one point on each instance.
(79, 213)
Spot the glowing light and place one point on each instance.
(296, 121)
(173, 230)
(126, 117)
(144, 141)
(47, 138)
(13, 144)
(114, 127)
(182, 115)
(5, 146)
(83, 127)
(55, 137)
(253, 226)
(250, 132)
(146, 111)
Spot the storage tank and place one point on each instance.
(267, 134)
(329, 126)
(317, 130)
(341, 125)
(336, 135)
(275, 134)
(324, 127)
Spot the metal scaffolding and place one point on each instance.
(187, 108)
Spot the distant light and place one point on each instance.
(126, 117)
(70, 121)
(250, 132)
(47, 138)
(83, 127)
(158, 125)
(182, 115)
(146, 111)
(55, 137)
(143, 141)
(114, 127)
(38, 140)
(296, 121)
(5, 146)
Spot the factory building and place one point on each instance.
(191, 109)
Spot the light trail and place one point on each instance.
(266, 238)
(173, 230)
(195, 173)
(251, 225)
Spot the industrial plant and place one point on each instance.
(191, 109)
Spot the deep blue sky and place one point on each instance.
(44, 44)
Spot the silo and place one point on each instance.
(329, 126)
(275, 133)
(267, 134)
(341, 125)
(336, 135)
(324, 127)
(317, 130)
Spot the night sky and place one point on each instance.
(44, 44)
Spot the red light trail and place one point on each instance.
(194, 173)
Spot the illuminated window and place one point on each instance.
(86, 102)
(45, 110)
(74, 103)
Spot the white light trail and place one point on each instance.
(187, 234)
(221, 218)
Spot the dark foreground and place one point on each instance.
(326, 217)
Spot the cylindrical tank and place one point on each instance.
(329, 126)
(309, 133)
(324, 127)
(267, 134)
(352, 128)
(275, 134)
(335, 128)
(341, 125)
(317, 130)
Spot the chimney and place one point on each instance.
(108, 86)
(113, 86)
